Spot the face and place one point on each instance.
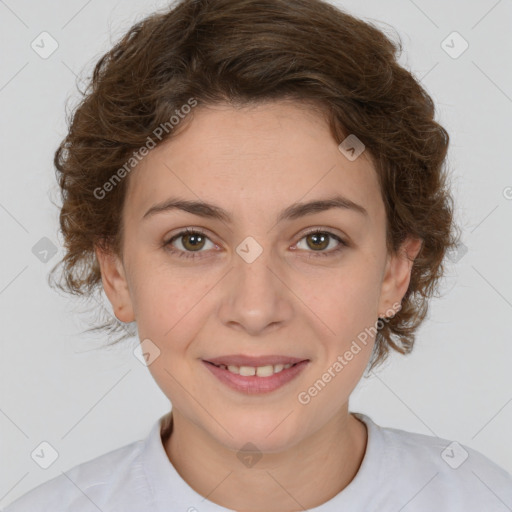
(266, 278)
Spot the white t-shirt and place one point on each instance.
(401, 471)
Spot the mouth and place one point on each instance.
(255, 375)
(251, 371)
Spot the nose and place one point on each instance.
(256, 298)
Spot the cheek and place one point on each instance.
(347, 301)
(165, 298)
(172, 376)
(170, 313)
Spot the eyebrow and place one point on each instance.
(294, 211)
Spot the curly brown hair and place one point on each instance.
(251, 51)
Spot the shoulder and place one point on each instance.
(432, 470)
(89, 486)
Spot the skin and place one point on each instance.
(254, 162)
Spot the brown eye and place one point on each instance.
(318, 241)
(193, 241)
(187, 243)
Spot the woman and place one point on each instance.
(260, 187)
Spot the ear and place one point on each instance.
(115, 284)
(397, 274)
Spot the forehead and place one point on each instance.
(251, 160)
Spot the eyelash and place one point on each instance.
(192, 255)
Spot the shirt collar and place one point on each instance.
(169, 488)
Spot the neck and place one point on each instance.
(302, 477)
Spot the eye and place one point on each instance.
(193, 241)
(319, 240)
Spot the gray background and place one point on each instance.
(58, 386)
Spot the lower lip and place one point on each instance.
(254, 384)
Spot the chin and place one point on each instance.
(269, 433)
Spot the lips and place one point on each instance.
(257, 379)
(254, 361)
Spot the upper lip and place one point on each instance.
(242, 360)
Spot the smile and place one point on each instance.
(256, 379)
(259, 371)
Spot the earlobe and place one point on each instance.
(115, 285)
(398, 275)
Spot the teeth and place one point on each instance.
(260, 371)
(247, 371)
(265, 371)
